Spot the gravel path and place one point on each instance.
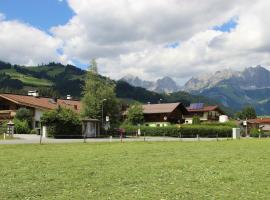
(35, 139)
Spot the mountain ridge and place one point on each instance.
(235, 89)
(162, 85)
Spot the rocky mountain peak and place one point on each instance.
(162, 85)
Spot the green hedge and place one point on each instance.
(232, 124)
(183, 131)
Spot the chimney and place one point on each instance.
(69, 97)
(33, 93)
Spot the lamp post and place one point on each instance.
(102, 110)
(165, 119)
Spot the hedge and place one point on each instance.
(182, 131)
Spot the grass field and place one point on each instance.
(161, 170)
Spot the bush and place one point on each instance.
(21, 127)
(206, 131)
(62, 123)
(254, 132)
(232, 124)
(196, 120)
(34, 132)
(3, 127)
(183, 131)
(23, 114)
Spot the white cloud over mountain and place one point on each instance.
(141, 37)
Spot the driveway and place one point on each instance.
(35, 139)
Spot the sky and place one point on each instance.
(149, 39)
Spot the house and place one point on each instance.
(259, 123)
(156, 115)
(206, 113)
(10, 103)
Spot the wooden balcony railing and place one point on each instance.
(7, 114)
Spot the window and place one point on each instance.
(37, 124)
(4, 107)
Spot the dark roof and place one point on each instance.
(162, 108)
(205, 109)
(42, 102)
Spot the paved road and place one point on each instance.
(35, 139)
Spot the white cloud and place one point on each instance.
(123, 26)
(130, 36)
(22, 44)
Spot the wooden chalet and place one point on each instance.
(206, 113)
(163, 114)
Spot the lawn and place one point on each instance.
(142, 170)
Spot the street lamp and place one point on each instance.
(102, 110)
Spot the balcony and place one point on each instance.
(7, 114)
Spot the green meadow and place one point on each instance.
(137, 170)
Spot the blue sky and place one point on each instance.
(227, 27)
(42, 14)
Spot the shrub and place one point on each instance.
(196, 120)
(21, 127)
(232, 124)
(23, 114)
(183, 131)
(62, 122)
(34, 132)
(3, 127)
(206, 131)
(254, 132)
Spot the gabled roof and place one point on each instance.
(205, 109)
(162, 108)
(42, 102)
(259, 121)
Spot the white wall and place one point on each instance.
(38, 114)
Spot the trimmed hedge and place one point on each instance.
(182, 131)
(232, 124)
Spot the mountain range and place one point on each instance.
(235, 89)
(163, 85)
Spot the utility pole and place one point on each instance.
(102, 110)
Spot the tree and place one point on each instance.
(135, 114)
(24, 114)
(93, 66)
(247, 113)
(98, 93)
